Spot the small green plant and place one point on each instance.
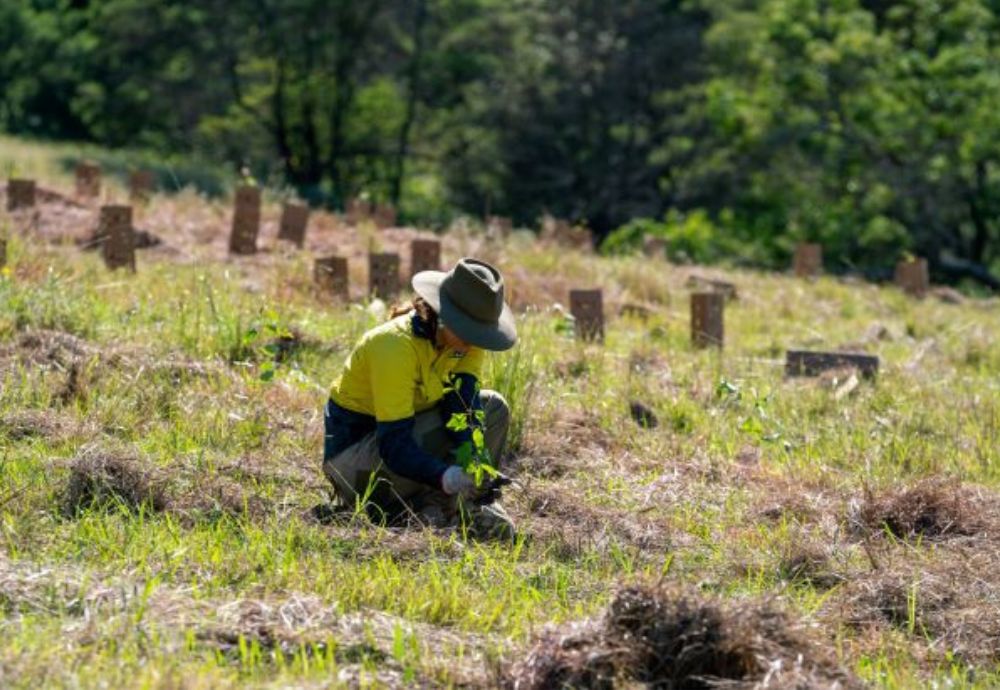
(363, 504)
(473, 456)
(758, 421)
(264, 339)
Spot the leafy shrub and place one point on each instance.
(691, 237)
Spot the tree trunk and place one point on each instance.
(353, 27)
(981, 238)
(403, 148)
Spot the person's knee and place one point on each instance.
(495, 406)
(497, 414)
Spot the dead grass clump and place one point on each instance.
(39, 346)
(677, 641)
(565, 521)
(214, 497)
(561, 449)
(277, 468)
(934, 508)
(50, 196)
(575, 658)
(42, 424)
(552, 448)
(145, 239)
(672, 639)
(808, 563)
(898, 599)
(778, 499)
(946, 599)
(103, 478)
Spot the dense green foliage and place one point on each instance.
(867, 124)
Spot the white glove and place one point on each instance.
(455, 480)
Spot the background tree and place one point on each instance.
(735, 129)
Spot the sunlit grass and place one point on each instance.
(172, 370)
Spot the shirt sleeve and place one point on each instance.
(400, 451)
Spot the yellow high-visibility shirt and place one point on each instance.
(393, 374)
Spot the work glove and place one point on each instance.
(456, 481)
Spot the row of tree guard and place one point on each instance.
(115, 238)
(911, 275)
(22, 193)
(708, 330)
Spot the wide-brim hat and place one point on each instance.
(469, 301)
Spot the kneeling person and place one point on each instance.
(389, 441)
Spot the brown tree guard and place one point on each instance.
(707, 328)
(246, 221)
(383, 275)
(913, 277)
(330, 274)
(20, 194)
(587, 308)
(116, 238)
(88, 180)
(808, 261)
(294, 220)
(425, 255)
(701, 283)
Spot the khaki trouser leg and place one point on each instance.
(358, 473)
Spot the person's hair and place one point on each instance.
(424, 310)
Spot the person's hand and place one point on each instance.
(456, 481)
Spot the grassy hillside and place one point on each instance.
(156, 497)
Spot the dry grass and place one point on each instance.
(47, 347)
(947, 602)
(219, 496)
(47, 425)
(809, 562)
(672, 639)
(292, 624)
(933, 509)
(565, 443)
(105, 479)
(561, 520)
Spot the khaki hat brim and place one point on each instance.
(489, 336)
